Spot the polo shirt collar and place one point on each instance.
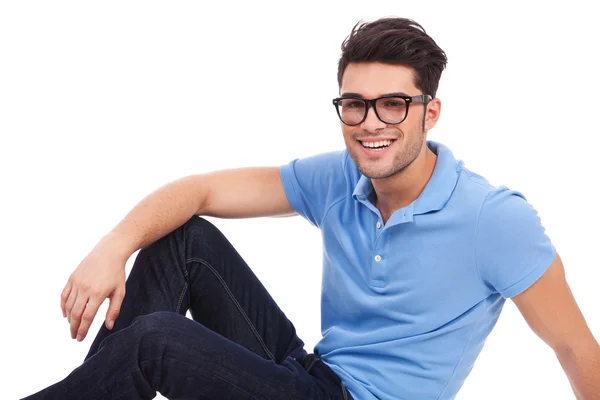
(438, 190)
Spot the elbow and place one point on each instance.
(572, 354)
(581, 364)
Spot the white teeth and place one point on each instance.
(377, 144)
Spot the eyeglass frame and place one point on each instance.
(422, 98)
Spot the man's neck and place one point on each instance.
(402, 189)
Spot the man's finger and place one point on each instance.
(64, 296)
(88, 316)
(116, 300)
(70, 302)
(77, 313)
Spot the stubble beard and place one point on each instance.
(402, 159)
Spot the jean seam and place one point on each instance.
(236, 303)
(185, 286)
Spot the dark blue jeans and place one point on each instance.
(240, 345)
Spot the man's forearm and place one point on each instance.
(158, 214)
(583, 370)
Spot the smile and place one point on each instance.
(377, 146)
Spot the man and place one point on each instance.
(420, 255)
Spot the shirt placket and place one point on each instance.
(378, 262)
(380, 256)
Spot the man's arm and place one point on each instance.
(552, 313)
(237, 193)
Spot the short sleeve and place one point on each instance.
(512, 250)
(313, 183)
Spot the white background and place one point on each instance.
(103, 102)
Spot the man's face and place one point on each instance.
(369, 81)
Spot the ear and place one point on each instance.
(432, 113)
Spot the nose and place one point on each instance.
(372, 123)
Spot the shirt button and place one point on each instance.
(378, 224)
(377, 258)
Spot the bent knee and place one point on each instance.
(199, 224)
(201, 228)
(156, 324)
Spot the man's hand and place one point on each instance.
(99, 276)
(236, 193)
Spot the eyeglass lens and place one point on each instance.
(391, 110)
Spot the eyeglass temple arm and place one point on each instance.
(422, 98)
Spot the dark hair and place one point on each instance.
(397, 41)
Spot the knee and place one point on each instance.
(151, 331)
(194, 229)
(147, 331)
(156, 324)
(198, 227)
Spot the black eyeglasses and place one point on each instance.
(391, 109)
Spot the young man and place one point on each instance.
(420, 255)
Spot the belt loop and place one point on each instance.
(313, 361)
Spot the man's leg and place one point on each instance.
(196, 267)
(182, 359)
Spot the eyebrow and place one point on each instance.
(360, 96)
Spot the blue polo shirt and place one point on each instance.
(407, 306)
